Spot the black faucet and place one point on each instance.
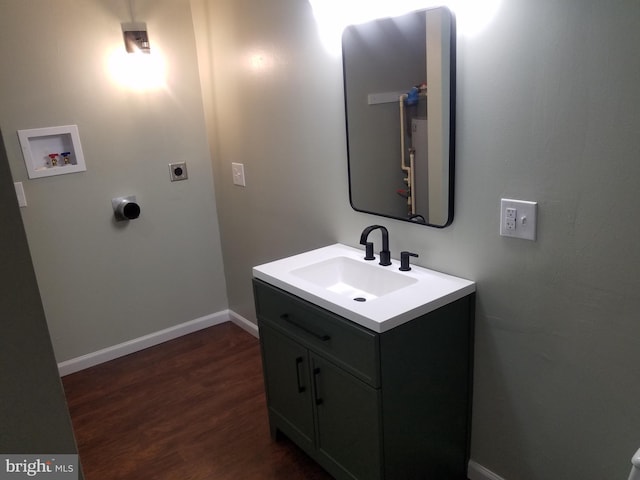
(385, 254)
(404, 260)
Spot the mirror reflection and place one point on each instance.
(399, 81)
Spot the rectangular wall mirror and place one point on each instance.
(399, 81)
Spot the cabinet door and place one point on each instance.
(287, 382)
(348, 413)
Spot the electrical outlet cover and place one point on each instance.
(525, 218)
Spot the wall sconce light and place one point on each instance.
(136, 67)
(136, 38)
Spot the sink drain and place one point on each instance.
(360, 299)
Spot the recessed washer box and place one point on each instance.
(52, 151)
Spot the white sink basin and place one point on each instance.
(351, 278)
(338, 279)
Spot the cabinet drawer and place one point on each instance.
(354, 348)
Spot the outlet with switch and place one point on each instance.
(518, 218)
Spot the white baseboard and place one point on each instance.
(478, 472)
(110, 353)
(244, 324)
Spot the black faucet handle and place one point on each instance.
(369, 251)
(404, 260)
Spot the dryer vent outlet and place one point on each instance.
(125, 208)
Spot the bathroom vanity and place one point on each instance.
(367, 399)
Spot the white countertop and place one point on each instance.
(430, 291)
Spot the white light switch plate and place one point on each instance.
(518, 218)
(238, 174)
(22, 199)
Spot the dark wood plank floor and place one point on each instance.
(191, 408)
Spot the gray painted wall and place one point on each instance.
(104, 283)
(33, 416)
(547, 111)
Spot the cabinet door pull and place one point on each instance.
(318, 398)
(320, 336)
(301, 388)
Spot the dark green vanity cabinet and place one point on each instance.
(367, 405)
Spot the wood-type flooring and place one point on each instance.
(192, 408)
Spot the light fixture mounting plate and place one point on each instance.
(136, 38)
